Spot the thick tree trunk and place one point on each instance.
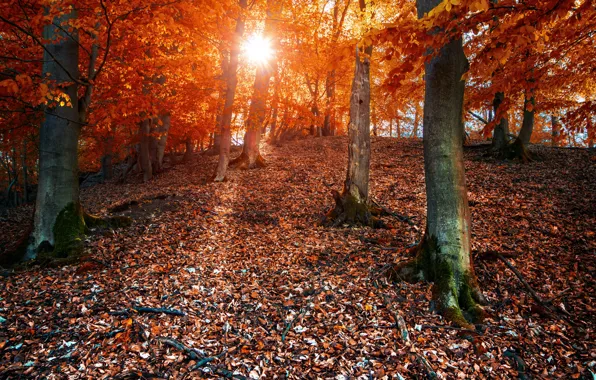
(226, 117)
(444, 254)
(501, 130)
(556, 130)
(58, 221)
(145, 149)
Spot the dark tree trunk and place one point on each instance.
(519, 148)
(501, 130)
(145, 149)
(159, 140)
(25, 176)
(525, 134)
(107, 172)
(189, 148)
(444, 253)
(556, 130)
(226, 118)
(58, 221)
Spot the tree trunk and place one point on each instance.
(231, 82)
(444, 253)
(352, 206)
(391, 127)
(189, 148)
(556, 130)
(525, 134)
(25, 176)
(58, 221)
(159, 140)
(519, 147)
(501, 130)
(107, 172)
(144, 149)
(251, 156)
(330, 92)
(398, 127)
(416, 121)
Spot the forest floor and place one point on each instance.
(263, 291)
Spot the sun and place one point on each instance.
(258, 49)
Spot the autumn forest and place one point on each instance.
(297, 189)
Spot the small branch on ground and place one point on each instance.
(521, 365)
(290, 324)
(401, 218)
(192, 353)
(148, 310)
(521, 278)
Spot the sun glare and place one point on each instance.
(258, 49)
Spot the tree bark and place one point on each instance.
(444, 253)
(25, 174)
(189, 148)
(519, 147)
(525, 134)
(58, 221)
(145, 149)
(416, 121)
(352, 206)
(159, 140)
(501, 130)
(556, 130)
(231, 82)
(107, 172)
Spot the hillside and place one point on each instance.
(263, 290)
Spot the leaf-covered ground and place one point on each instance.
(266, 292)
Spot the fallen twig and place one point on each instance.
(192, 353)
(521, 365)
(430, 372)
(148, 310)
(401, 218)
(521, 278)
(290, 324)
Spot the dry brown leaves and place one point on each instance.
(267, 293)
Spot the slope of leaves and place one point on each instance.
(265, 292)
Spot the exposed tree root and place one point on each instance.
(351, 211)
(243, 162)
(518, 151)
(457, 294)
(93, 221)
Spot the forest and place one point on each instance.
(298, 189)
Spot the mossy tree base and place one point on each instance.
(455, 290)
(243, 162)
(352, 211)
(69, 231)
